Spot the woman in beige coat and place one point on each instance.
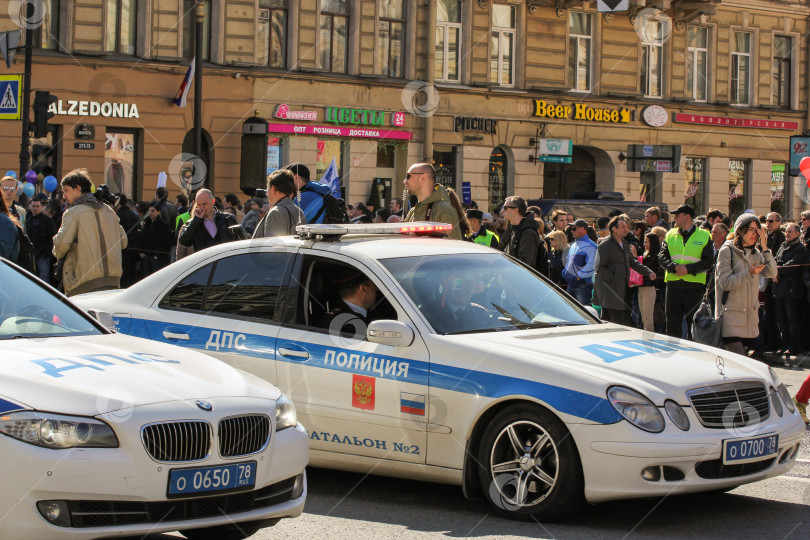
(739, 265)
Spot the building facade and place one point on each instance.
(696, 103)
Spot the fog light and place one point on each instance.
(56, 512)
(651, 474)
(298, 486)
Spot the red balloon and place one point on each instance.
(804, 166)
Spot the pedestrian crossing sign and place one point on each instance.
(10, 96)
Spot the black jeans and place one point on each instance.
(789, 315)
(682, 301)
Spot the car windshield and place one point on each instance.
(29, 310)
(482, 293)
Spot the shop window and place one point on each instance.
(498, 169)
(782, 52)
(121, 161)
(737, 186)
(741, 68)
(778, 188)
(189, 24)
(448, 40)
(328, 150)
(334, 29)
(46, 36)
(386, 154)
(444, 161)
(121, 26)
(695, 170)
(697, 63)
(580, 40)
(273, 33)
(652, 57)
(502, 45)
(390, 38)
(275, 147)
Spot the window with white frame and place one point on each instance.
(502, 53)
(448, 40)
(272, 42)
(697, 63)
(580, 39)
(334, 33)
(741, 68)
(121, 28)
(782, 51)
(390, 38)
(652, 58)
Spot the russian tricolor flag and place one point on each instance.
(412, 403)
(182, 93)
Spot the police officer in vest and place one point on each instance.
(686, 255)
(482, 235)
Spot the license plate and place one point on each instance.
(748, 450)
(232, 477)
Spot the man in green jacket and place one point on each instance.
(434, 202)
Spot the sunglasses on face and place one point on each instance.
(771, 221)
(9, 188)
(408, 175)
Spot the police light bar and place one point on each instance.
(420, 228)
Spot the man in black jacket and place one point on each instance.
(129, 257)
(788, 289)
(40, 229)
(207, 227)
(772, 339)
(524, 241)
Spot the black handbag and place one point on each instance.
(706, 328)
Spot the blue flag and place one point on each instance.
(330, 178)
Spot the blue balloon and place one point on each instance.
(11, 174)
(29, 189)
(50, 183)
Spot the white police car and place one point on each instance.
(473, 370)
(106, 435)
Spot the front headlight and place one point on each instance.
(636, 409)
(56, 431)
(677, 415)
(285, 413)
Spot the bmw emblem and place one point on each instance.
(204, 405)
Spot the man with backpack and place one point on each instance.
(525, 243)
(315, 199)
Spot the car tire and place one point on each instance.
(235, 531)
(529, 467)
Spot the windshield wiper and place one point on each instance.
(15, 337)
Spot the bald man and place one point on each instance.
(207, 227)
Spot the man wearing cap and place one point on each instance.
(481, 234)
(434, 202)
(579, 267)
(314, 198)
(686, 254)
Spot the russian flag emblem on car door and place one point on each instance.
(412, 403)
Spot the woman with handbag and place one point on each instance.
(647, 292)
(739, 275)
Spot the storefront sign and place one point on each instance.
(466, 123)
(799, 148)
(355, 116)
(725, 121)
(283, 111)
(556, 147)
(84, 145)
(466, 192)
(655, 116)
(85, 131)
(555, 159)
(580, 111)
(329, 131)
(94, 108)
(653, 158)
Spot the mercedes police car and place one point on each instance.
(104, 434)
(447, 361)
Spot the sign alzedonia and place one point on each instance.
(72, 107)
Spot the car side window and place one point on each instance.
(247, 285)
(189, 293)
(323, 285)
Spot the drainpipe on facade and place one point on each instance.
(431, 78)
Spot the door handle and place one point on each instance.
(171, 335)
(292, 353)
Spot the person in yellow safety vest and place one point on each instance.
(686, 255)
(482, 235)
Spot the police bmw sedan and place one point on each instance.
(104, 434)
(447, 361)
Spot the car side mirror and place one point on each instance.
(103, 317)
(388, 332)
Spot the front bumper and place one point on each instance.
(615, 456)
(123, 491)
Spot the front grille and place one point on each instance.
(714, 469)
(732, 405)
(114, 513)
(243, 435)
(177, 441)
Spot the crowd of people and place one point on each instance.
(650, 274)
